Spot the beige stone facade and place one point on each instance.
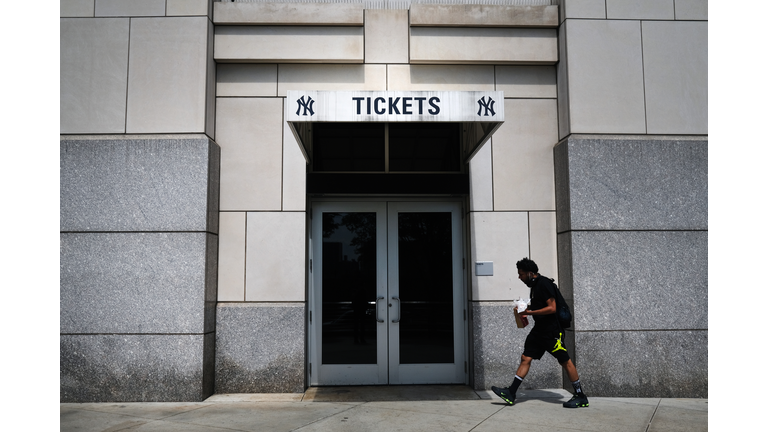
(567, 68)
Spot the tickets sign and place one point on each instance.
(395, 106)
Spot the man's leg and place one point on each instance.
(509, 394)
(579, 399)
(522, 371)
(525, 365)
(561, 354)
(533, 349)
(570, 369)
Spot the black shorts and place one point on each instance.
(537, 343)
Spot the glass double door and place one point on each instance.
(387, 290)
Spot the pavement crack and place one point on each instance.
(126, 425)
(647, 428)
(483, 420)
(327, 417)
(186, 411)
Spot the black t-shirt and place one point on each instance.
(543, 290)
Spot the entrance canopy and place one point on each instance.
(479, 112)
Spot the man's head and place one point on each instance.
(527, 270)
(527, 265)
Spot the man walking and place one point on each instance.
(546, 335)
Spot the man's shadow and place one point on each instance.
(547, 396)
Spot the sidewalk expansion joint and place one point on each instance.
(647, 428)
(483, 420)
(332, 415)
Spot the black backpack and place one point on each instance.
(563, 312)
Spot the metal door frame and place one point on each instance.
(383, 373)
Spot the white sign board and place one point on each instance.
(395, 106)
(484, 268)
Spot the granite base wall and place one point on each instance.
(632, 257)
(667, 364)
(260, 348)
(137, 282)
(136, 368)
(640, 305)
(638, 280)
(138, 267)
(613, 182)
(139, 183)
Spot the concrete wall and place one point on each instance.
(139, 196)
(262, 287)
(632, 201)
(634, 72)
(129, 75)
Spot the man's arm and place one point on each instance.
(549, 309)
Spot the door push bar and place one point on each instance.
(377, 309)
(398, 309)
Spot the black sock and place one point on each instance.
(515, 384)
(577, 387)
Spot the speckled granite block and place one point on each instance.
(631, 183)
(632, 251)
(139, 183)
(565, 268)
(497, 347)
(211, 281)
(260, 348)
(637, 280)
(667, 364)
(136, 368)
(137, 282)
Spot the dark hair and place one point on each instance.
(526, 264)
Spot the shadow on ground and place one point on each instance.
(390, 393)
(548, 396)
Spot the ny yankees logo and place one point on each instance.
(307, 105)
(487, 105)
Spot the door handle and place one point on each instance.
(377, 309)
(398, 309)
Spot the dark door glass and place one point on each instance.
(426, 287)
(349, 288)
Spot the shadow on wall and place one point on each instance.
(284, 374)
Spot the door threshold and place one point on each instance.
(390, 393)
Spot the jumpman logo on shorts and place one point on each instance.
(559, 345)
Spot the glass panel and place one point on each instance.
(426, 287)
(348, 147)
(349, 288)
(424, 147)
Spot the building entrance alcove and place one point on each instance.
(387, 287)
(387, 195)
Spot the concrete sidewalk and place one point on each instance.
(395, 408)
